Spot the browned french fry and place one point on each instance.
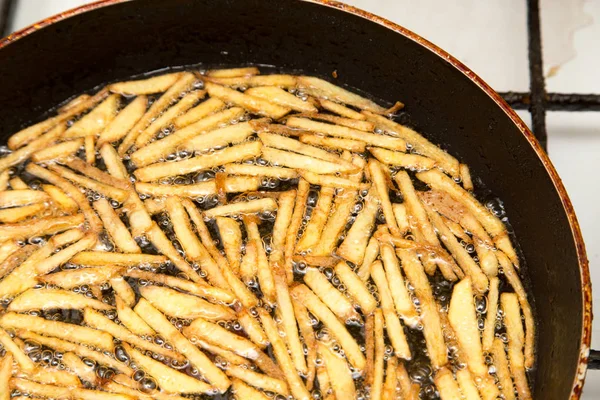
(115, 227)
(61, 330)
(333, 143)
(107, 258)
(58, 151)
(181, 305)
(161, 324)
(356, 287)
(490, 319)
(258, 380)
(251, 103)
(228, 155)
(282, 98)
(155, 84)
(283, 81)
(446, 384)
(124, 121)
(60, 198)
(14, 215)
(323, 89)
(263, 269)
(516, 339)
(502, 369)
(371, 254)
(391, 380)
(490, 222)
(232, 72)
(463, 319)
(354, 245)
(296, 385)
(45, 299)
(70, 279)
(401, 159)
(409, 390)
(418, 142)
(184, 83)
(96, 120)
(392, 143)
(377, 383)
(340, 109)
(241, 391)
(324, 382)
(202, 110)
(304, 295)
(339, 373)
(60, 392)
(294, 226)
(348, 122)
(309, 339)
(334, 299)
(394, 328)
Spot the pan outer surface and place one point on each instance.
(116, 39)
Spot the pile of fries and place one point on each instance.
(250, 236)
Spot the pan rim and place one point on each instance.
(586, 292)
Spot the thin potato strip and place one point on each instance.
(300, 161)
(14, 256)
(4, 179)
(14, 215)
(379, 181)
(332, 181)
(96, 120)
(371, 254)
(348, 122)
(241, 208)
(17, 183)
(260, 171)
(467, 385)
(283, 81)
(131, 320)
(308, 338)
(60, 392)
(280, 97)
(126, 119)
(22, 197)
(502, 369)
(402, 300)
(202, 110)
(90, 149)
(404, 160)
(339, 109)
(242, 391)
(232, 72)
(115, 227)
(334, 299)
(107, 258)
(391, 380)
(379, 351)
(58, 151)
(46, 299)
(216, 138)
(225, 355)
(341, 377)
(284, 217)
(60, 198)
(465, 177)
(409, 390)
(75, 365)
(252, 328)
(24, 362)
(516, 339)
(492, 313)
(356, 287)
(357, 239)
(312, 231)
(294, 226)
(36, 145)
(263, 269)
(251, 103)
(370, 348)
(155, 84)
(333, 143)
(112, 161)
(102, 188)
(233, 184)
(258, 380)
(70, 279)
(447, 385)
(401, 215)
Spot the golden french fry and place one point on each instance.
(13, 256)
(305, 296)
(467, 385)
(131, 320)
(90, 149)
(348, 122)
(232, 185)
(516, 339)
(332, 181)
(60, 330)
(308, 338)
(107, 258)
(13, 215)
(388, 142)
(341, 110)
(102, 188)
(4, 179)
(283, 81)
(70, 279)
(323, 89)
(334, 299)
(391, 380)
(314, 227)
(354, 245)
(401, 217)
(339, 373)
(409, 390)
(225, 355)
(324, 382)
(252, 328)
(168, 379)
(96, 120)
(251, 103)
(39, 227)
(463, 319)
(60, 392)
(502, 369)
(296, 386)
(294, 226)
(447, 385)
(282, 98)
(202, 110)
(115, 227)
(124, 121)
(58, 151)
(17, 183)
(465, 176)
(259, 170)
(490, 319)
(404, 160)
(161, 324)
(379, 181)
(228, 155)
(258, 380)
(181, 305)
(114, 164)
(394, 328)
(248, 207)
(241, 391)
(155, 84)
(418, 142)
(299, 161)
(74, 102)
(6, 367)
(263, 269)
(378, 359)
(356, 287)
(371, 254)
(45, 299)
(36, 145)
(24, 362)
(285, 213)
(23, 197)
(60, 198)
(232, 72)
(232, 134)
(333, 143)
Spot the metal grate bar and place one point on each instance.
(536, 73)
(555, 101)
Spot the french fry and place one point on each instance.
(70, 279)
(379, 181)
(332, 181)
(394, 328)
(14, 215)
(354, 245)
(447, 385)
(161, 324)
(334, 299)
(6, 366)
(225, 355)
(60, 198)
(17, 198)
(13, 256)
(463, 319)
(248, 265)
(348, 122)
(465, 177)
(356, 287)
(115, 227)
(114, 164)
(153, 152)
(58, 151)
(241, 208)
(94, 173)
(19, 356)
(282, 98)
(409, 390)
(263, 269)
(155, 84)
(74, 102)
(90, 149)
(295, 384)
(228, 155)
(309, 339)
(82, 351)
(333, 143)
(304, 295)
(378, 360)
(202, 110)
(184, 82)
(490, 319)
(251, 103)
(401, 215)
(314, 227)
(392, 143)
(467, 385)
(168, 379)
(252, 328)
(339, 373)
(181, 305)
(258, 380)
(371, 254)
(36, 145)
(102, 188)
(299, 161)
(92, 258)
(96, 120)
(60, 392)
(168, 116)
(502, 369)
(418, 142)
(294, 226)
(98, 321)
(232, 72)
(241, 391)
(259, 170)
(283, 81)
(131, 320)
(391, 380)
(370, 349)
(4, 179)
(516, 339)
(324, 382)
(233, 184)
(17, 183)
(339, 109)
(124, 121)
(490, 222)
(285, 213)
(323, 89)
(57, 329)
(45, 299)
(75, 365)
(232, 134)
(401, 159)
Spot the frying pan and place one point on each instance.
(47, 63)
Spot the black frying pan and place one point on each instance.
(116, 39)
